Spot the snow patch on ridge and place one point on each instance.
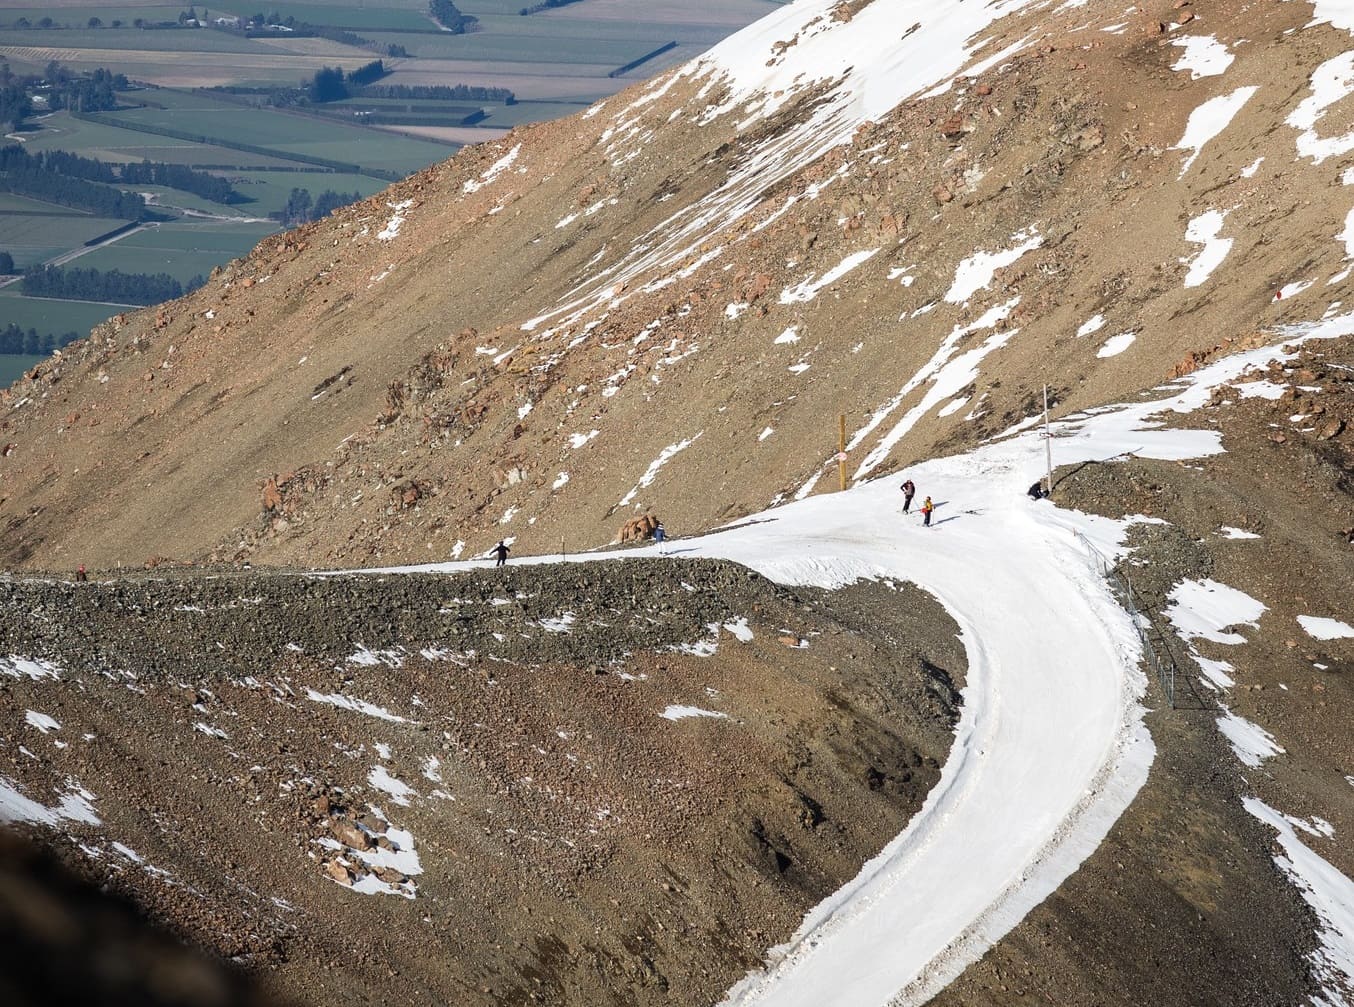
(1208, 120)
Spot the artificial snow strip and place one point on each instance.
(1050, 747)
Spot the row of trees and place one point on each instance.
(536, 8)
(63, 164)
(16, 340)
(301, 209)
(30, 175)
(91, 92)
(180, 176)
(330, 83)
(113, 285)
(438, 92)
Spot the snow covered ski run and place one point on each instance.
(1050, 747)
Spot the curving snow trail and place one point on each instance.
(1050, 747)
(1048, 751)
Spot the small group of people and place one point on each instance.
(927, 508)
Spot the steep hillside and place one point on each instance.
(616, 784)
(818, 218)
(913, 215)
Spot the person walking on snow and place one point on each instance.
(909, 491)
(660, 535)
(926, 510)
(501, 551)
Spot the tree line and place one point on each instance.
(58, 164)
(15, 340)
(30, 175)
(180, 176)
(94, 91)
(301, 209)
(444, 12)
(438, 92)
(330, 83)
(112, 285)
(91, 92)
(544, 5)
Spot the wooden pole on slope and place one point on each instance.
(1048, 446)
(841, 449)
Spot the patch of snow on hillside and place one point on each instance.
(976, 272)
(675, 712)
(356, 705)
(1331, 896)
(1293, 289)
(734, 309)
(562, 624)
(947, 378)
(1227, 531)
(73, 806)
(214, 732)
(1321, 628)
(494, 170)
(561, 481)
(790, 335)
(1250, 170)
(765, 434)
(1336, 13)
(1207, 609)
(1217, 674)
(740, 629)
(1331, 82)
(1251, 742)
(578, 440)
(371, 658)
(396, 220)
(1347, 235)
(14, 666)
(399, 791)
(1204, 230)
(1260, 390)
(1210, 119)
(1204, 56)
(884, 54)
(652, 471)
(952, 407)
(1093, 324)
(1115, 345)
(808, 290)
(41, 721)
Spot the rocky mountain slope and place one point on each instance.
(915, 216)
(615, 784)
(707, 279)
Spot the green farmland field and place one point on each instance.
(294, 134)
(353, 16)
(269, 189)
(10, 203)
(134, 39)
(183, 250)
(32, 239)
(58, 317)
(113, 143)
(490, 46)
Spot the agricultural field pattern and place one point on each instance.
(202, 92)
